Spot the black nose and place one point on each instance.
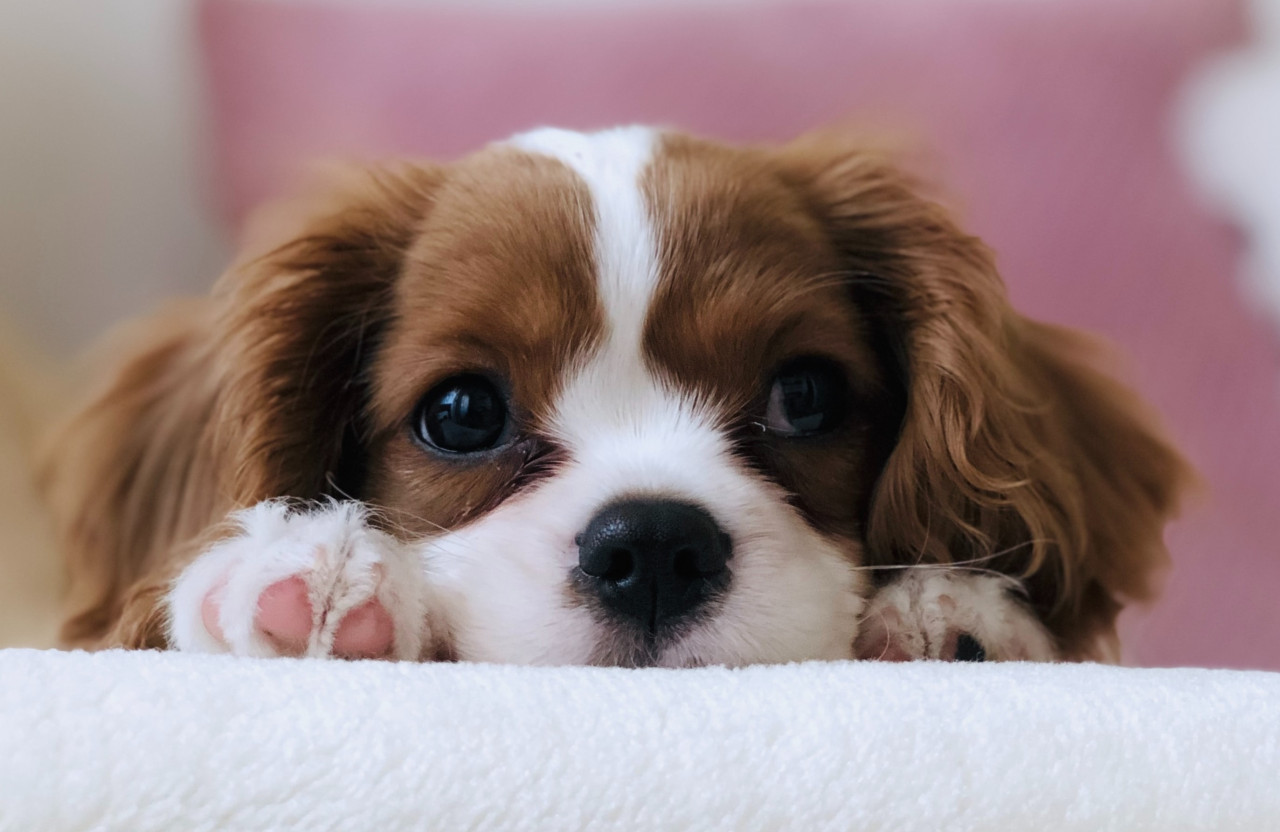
(654, 561)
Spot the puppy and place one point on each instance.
(622, 398)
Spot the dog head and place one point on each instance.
(643, 399)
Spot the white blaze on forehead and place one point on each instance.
(615, 391)
(611, 163)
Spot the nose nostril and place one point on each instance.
(685, 563)
(620, 564)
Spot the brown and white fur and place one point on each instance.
(248, 480)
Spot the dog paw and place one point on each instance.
(932, 613)
(290, 582)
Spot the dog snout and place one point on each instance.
(654, 562)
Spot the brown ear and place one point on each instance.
(297, 326)
(1015, 452)
(249, 394)
(129, 473)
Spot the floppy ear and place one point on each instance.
(296, 328)
(1015, 453)
(252, 393)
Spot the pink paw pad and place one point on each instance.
(286, 618)
(365, 633)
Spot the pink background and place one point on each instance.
(1050, 123)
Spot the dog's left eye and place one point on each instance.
(463, 415)
(808, 396)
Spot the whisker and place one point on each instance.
(970, 565)
(383, 515)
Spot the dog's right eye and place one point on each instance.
(462, 415)
(808, 396)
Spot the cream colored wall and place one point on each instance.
(30, 571)
(100, 164)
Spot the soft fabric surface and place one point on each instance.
(149, 741)
(1048, 121)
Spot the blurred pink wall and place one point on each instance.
(1049, 121)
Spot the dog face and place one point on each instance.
(627, 376)
(641, 399)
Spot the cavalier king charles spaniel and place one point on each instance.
(619, 398)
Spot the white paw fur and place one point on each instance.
(341, 559)
(921, 614)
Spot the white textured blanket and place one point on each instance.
(149, 741)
